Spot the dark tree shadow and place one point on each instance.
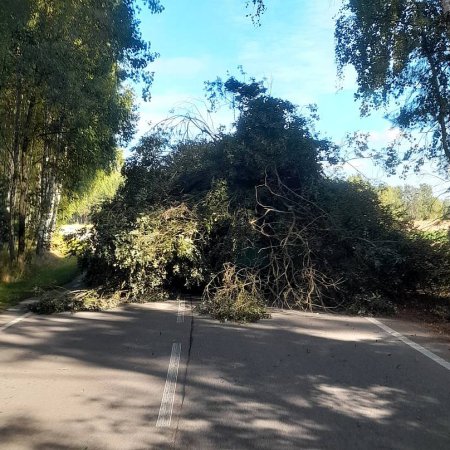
(289, 382)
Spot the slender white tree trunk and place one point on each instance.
(50, 199)
(47, 223)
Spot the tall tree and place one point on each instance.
(63, 105)
(400, 51)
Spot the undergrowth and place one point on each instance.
(38, 274)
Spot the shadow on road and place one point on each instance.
(289, 382)
(298, 382)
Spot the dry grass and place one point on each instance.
(432, 225)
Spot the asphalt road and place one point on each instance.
(154, 376)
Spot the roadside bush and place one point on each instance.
(363, 244)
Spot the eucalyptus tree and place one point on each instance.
(63, 101)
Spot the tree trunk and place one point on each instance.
(441, 101)
(14, 178)
(23, 192)
(50, 198)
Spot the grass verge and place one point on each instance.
(44, 273)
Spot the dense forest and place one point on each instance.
(64, 105)
(245, 217)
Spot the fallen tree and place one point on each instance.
(247, 219)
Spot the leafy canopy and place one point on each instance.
(400, 51)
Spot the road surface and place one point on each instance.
(157, 376)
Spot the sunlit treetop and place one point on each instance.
(400, 51)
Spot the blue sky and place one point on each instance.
(293, 49)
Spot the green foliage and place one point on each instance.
(363, 239)
(76, 243)
(19, 283)
(249, 219)
(399, 50)
(372, 304)
(392, 197)
(439, 237)
(388, 257)
(145, 172)
(413, 203)
(214, 208)
(64, 104)
(158, 250)
(78, 206)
